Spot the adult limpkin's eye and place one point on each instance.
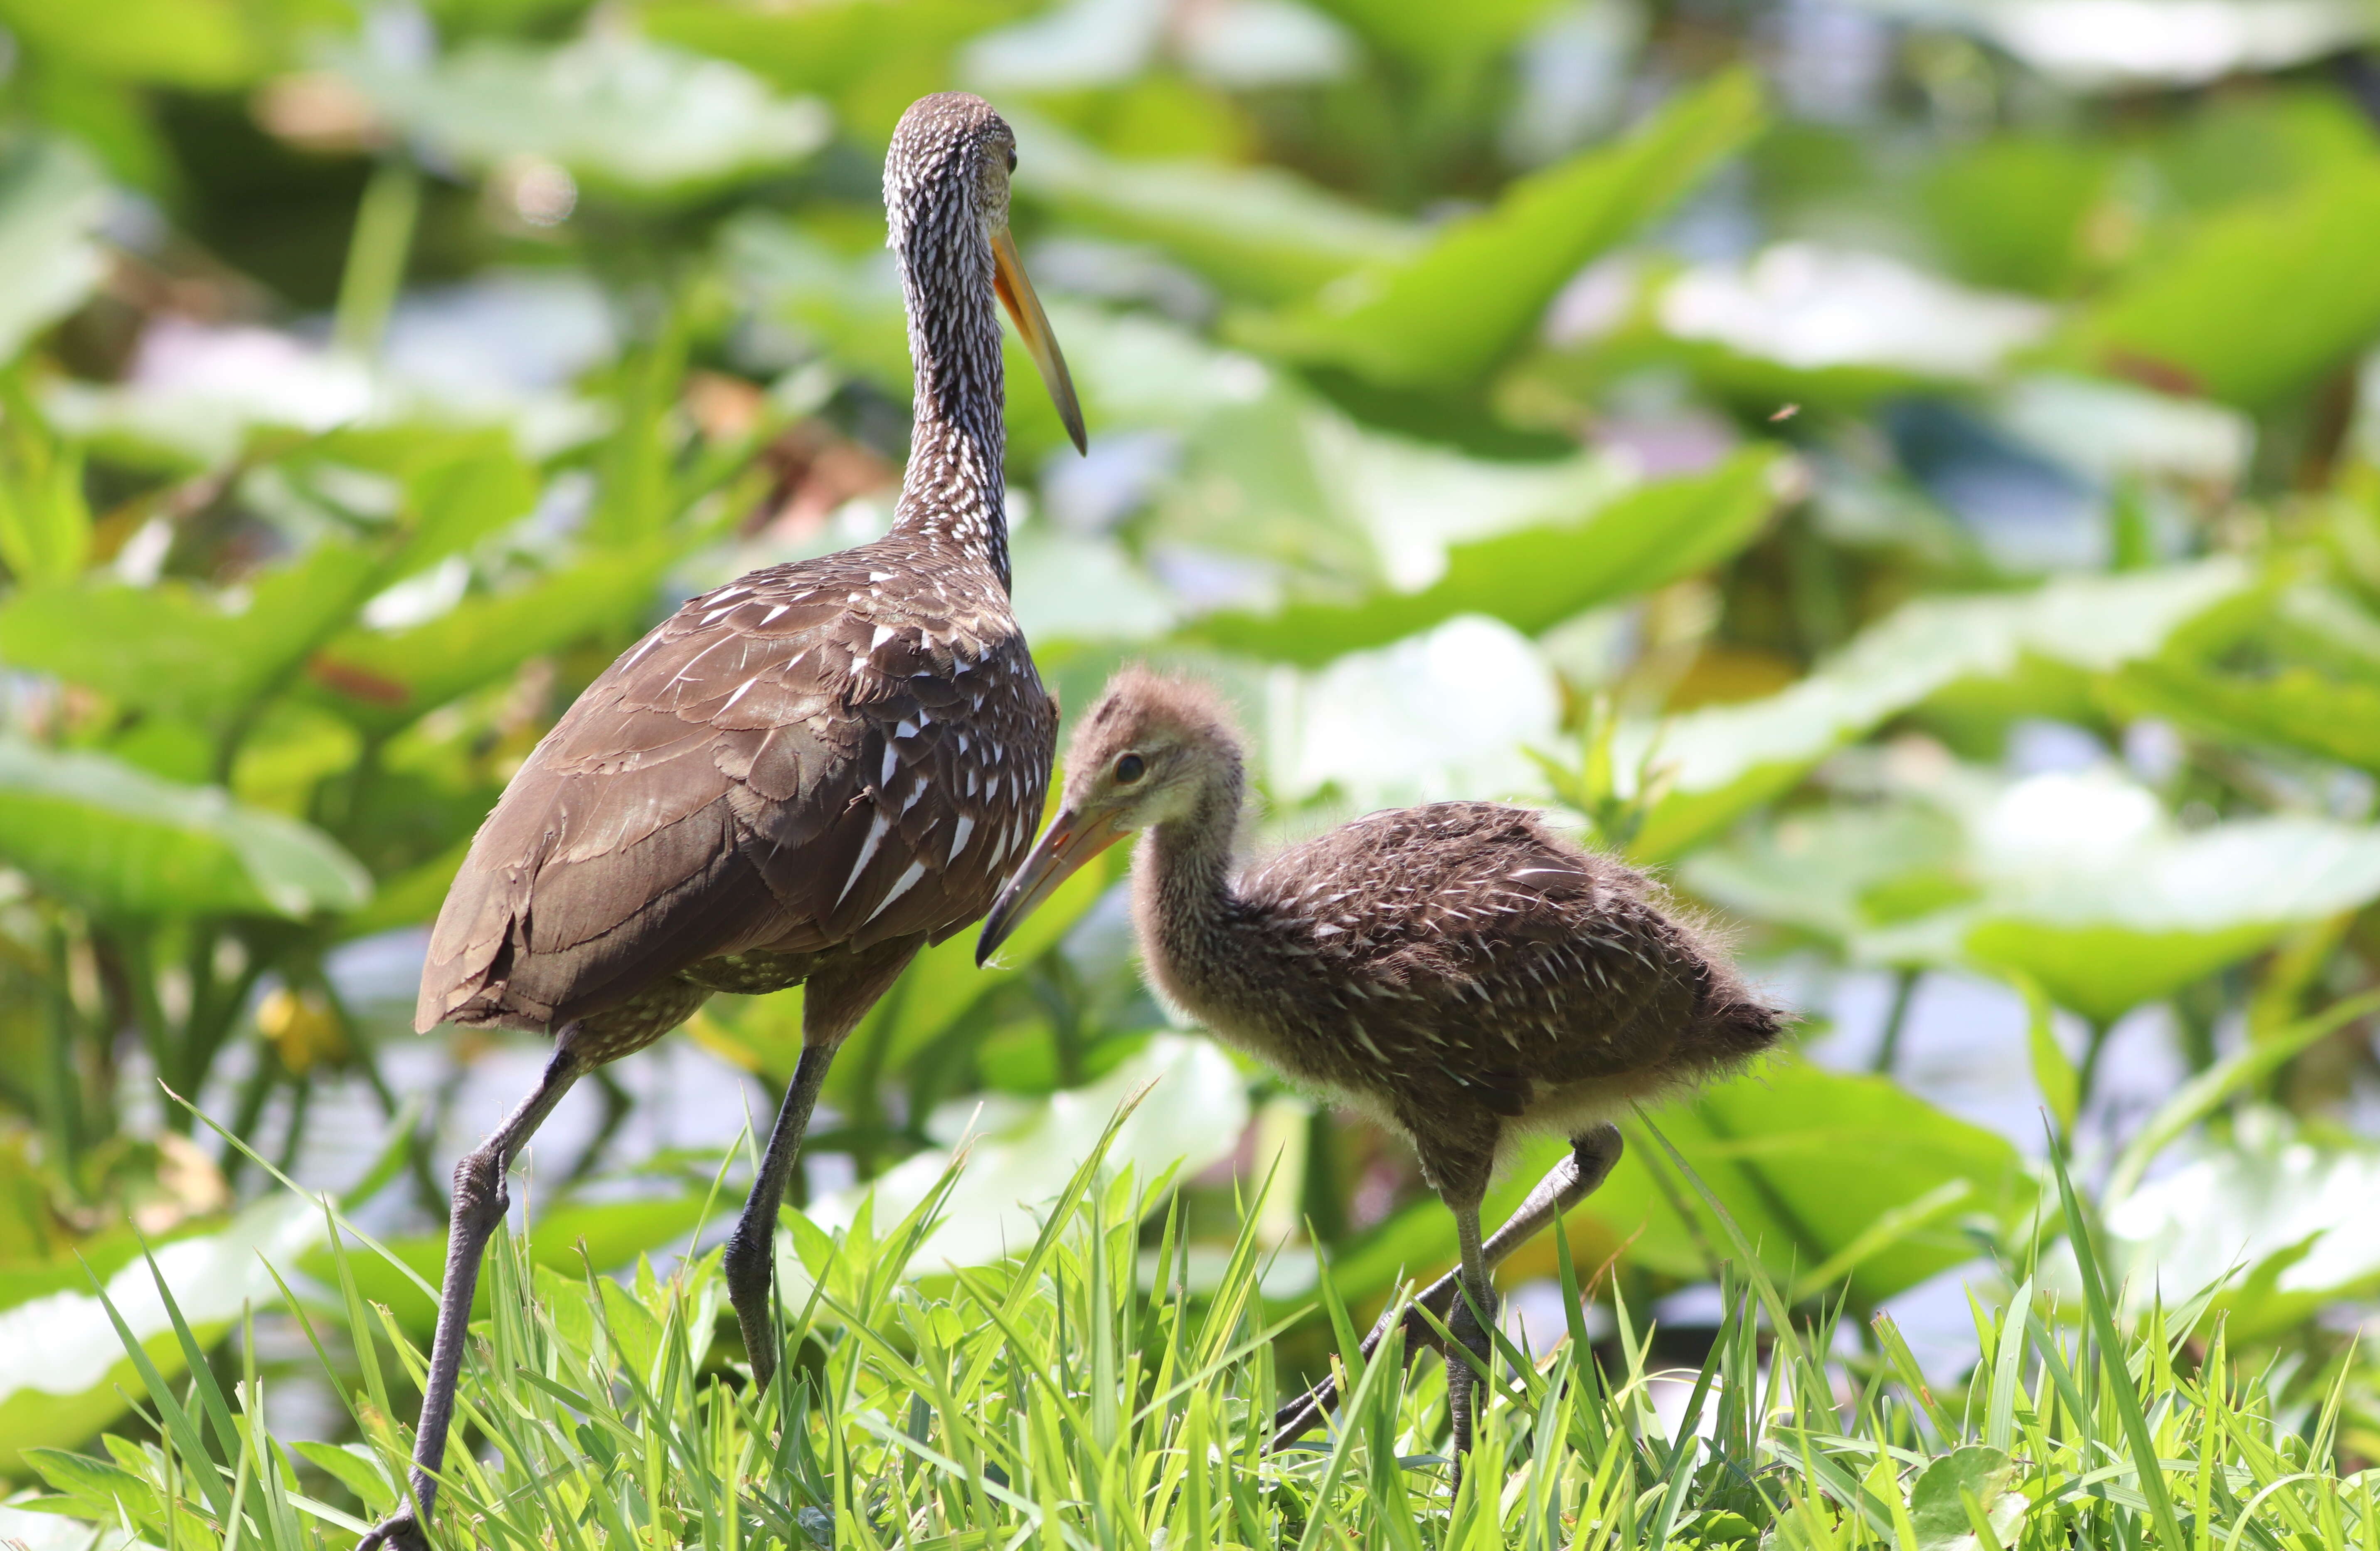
(1012, 158)
(1130, 768)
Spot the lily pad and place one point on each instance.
(182, 652)
(1447, 316)
(1713, 765)
(1194, 1107)
(1816, 310)
(1836, 872)
(2289, 1216)
(2112, 931)
(51, 197)
(612, 107)
(2111, 45)
(62, 1369)
(1790, 1150)
(2252, 303)
(1258, 232)
(125, 843)
(1536, 574)
(2296, 708)
(1443, 714)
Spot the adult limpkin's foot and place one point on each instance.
(398, 1532)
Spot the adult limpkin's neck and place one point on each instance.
(952, 493)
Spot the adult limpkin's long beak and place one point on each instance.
(1008, 277)
(1061, 853)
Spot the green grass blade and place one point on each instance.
(2125, 1398)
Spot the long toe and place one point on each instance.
(1293, 1420)
(396, 1533)
(1300, 1417)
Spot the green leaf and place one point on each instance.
(1794, 1151)
(353, 1467)
(618, 110)
(1438, 37)
(2253, 303)
(1836, 872)
(2296, 708)
(52, 198)
(173, 650)
(1536, 576)
(611, 1234)
(1790, 1152)
(457, 486)
(45, 521)
(1780, 326)
(1449, 315)
(2199, 1098)
(1711, 767)
(209, 44)
(124, 842)
(98, 1485)
(870, 59)
(2060, 1084)
(1258, 232)
(1025, 1152)
(2010, 211)
(1938, 1508)
(943, 983)
(62, 1364)
(384, 679)
(2136, 927)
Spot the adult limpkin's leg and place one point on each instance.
(481, 1201)
(1565, 1185)
(838, 996)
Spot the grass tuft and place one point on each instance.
(1081, 1396)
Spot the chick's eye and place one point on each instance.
(1012, 159)
(1130, 768)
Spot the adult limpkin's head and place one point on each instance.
(946, 202)
(799, 778)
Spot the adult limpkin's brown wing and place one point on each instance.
(830, 753)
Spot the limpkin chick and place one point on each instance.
(798, 778)
(1458, 971)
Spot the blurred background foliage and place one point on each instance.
(1909, 473)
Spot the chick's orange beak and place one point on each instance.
(1061, 853)
(1033, 325)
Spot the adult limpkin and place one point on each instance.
(800, 777)
(1457, 971)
